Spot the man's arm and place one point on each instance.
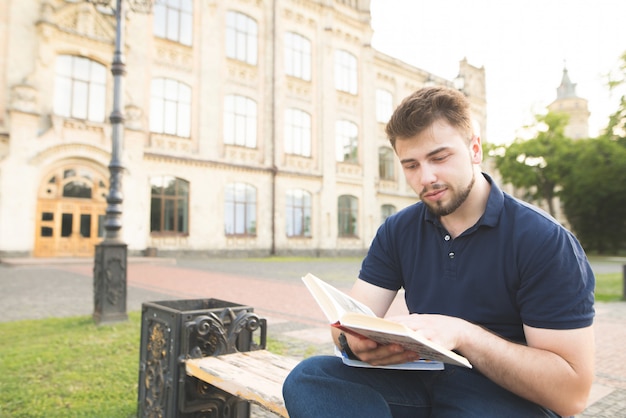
(554, 370)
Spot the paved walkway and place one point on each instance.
(35, 288)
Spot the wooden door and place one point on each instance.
(70, 213)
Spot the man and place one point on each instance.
(486, 275)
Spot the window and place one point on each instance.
(386, 211)
(297, 132)
(347, 216)
(297, 56)
(75, 182)
(79, 90)
(298, 213)
(385, 164)
(240, 209)
(347, 145)
(169, 205)
(173, 20)
(240, 121)
(384, 105)
(345, 72)
(241, 38)
(170, 107)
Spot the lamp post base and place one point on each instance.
(109, 281)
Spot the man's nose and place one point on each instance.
(427, 175)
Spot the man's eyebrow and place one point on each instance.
(430, 154)
(436, 151)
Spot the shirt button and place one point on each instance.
(451, 255)
(447, 237)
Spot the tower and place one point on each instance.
(576, 107)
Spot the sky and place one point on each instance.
(523, 45)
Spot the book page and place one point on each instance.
(411, 365)
(334, 303)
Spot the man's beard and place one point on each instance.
(458, 198)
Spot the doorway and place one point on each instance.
(70, 212)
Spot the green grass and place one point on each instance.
(69, 367)
(609, 287)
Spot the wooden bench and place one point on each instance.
(254, 376)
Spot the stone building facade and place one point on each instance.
(252, 127)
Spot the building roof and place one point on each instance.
(567, 89)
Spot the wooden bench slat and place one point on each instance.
(256, 376)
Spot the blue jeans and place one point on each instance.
(324, 387)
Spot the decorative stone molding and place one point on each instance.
(170, 143)
(310, 6)
(386, 78)
(299, 88)
(242, 155)
(133, 115)
(24, 98)
(351, 170)
(82, 18)
(173, 55)
(346, 100)
(243, 73)
(71, 150)
(299, 163)
(387, 186)
(298, 18)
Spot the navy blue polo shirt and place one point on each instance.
(515, 266)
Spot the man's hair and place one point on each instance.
(427, 105)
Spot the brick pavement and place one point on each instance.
(37, 289)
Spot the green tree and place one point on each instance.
(589, 176)
(537, 165)
(594, 194)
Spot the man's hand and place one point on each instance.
(447, 331)
(379, 355)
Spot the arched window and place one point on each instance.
(240, 121)
(346, 72)
(241, 37)
(386, 164)
(298, 213)
(173, 20)
(384, 105)
(297, 56)
(170, 107)
(297, 132)
(240, 209)
(347, 141)
(347, 216)
(169, 206)
(79, 88)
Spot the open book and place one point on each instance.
(352, 316)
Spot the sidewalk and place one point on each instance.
(34, 288)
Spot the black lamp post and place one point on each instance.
(111, 254)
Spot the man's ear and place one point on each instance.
(476, 149)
